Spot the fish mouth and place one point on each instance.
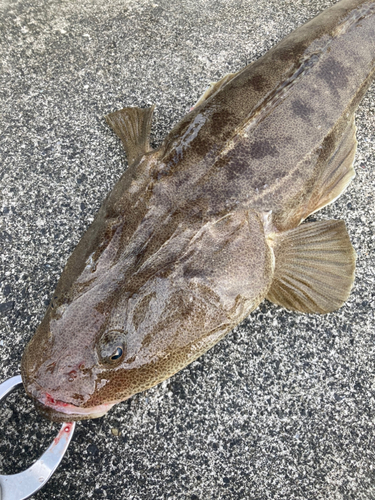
(59, 411)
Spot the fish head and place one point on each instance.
(63, 363)
(129, 327)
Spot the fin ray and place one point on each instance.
(214, 87)
(314, 267)
(132, 125)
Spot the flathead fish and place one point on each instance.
(198, 232)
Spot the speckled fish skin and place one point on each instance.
(184, 246)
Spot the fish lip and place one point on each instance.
(59, 411)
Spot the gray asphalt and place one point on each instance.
(284, 407)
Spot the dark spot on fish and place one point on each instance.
(258, 82)
(202, 144)
(291, 51)
(301, 109)
(102, 307)
(192, 273)
(334, 74)
(237, 168)
(261, 149)
(220, 121)
(78, 397)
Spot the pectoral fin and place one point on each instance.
(314, 267)
(133, 126)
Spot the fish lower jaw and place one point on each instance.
(58, 411)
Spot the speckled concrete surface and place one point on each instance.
(284, 407)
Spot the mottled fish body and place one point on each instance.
(198, 232)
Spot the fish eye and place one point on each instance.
(111, 347)
(117, 354)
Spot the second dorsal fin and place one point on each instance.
(214, 87)
(133, 126)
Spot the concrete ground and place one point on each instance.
(284, 407)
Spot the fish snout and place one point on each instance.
(59, 402)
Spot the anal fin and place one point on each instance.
(314, 267)
(133, 126)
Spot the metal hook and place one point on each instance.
(24, 484)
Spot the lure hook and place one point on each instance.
(24, 484)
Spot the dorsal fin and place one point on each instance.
(133, 126)
(334, 177)
(339, 172)
(214, 87)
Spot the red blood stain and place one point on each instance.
(67, 428)
(50, 399)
